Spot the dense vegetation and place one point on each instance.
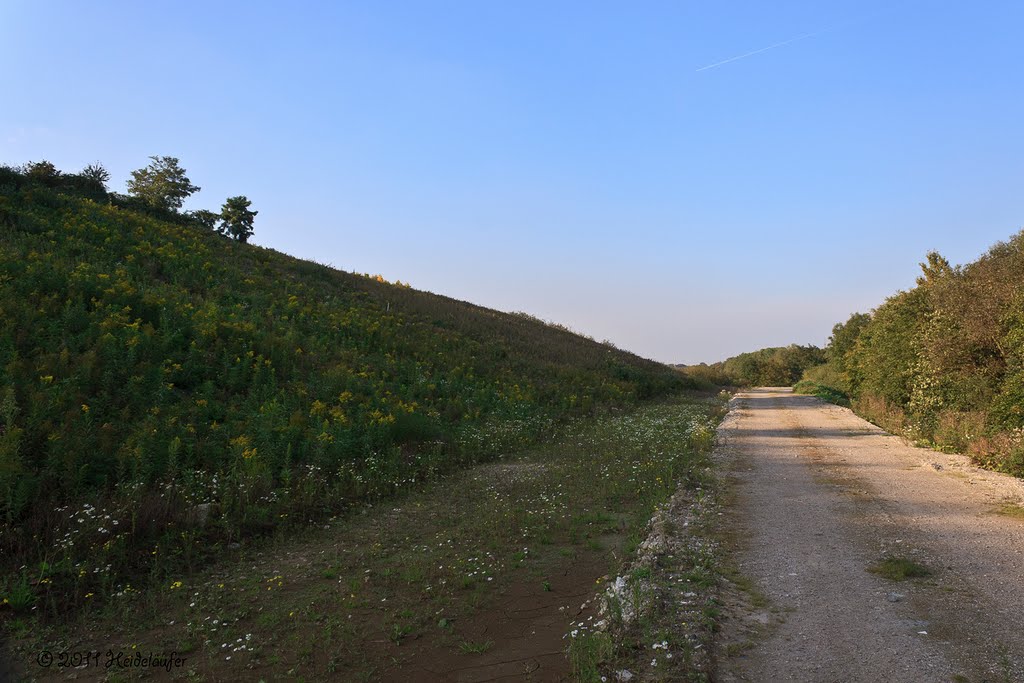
(774, 367)
(166, 391)
(942, 363)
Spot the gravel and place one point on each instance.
(818, 497)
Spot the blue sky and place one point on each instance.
(574, 160)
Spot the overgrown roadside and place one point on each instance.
(474, 577)
(660, 616)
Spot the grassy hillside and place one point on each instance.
(165, 391)
(942, 363)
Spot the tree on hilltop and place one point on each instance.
(42, 172)
(96, 173)
(162, 184)
(205, 219)
(237, 219)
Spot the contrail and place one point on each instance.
(763, 49)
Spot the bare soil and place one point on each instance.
(818, 497)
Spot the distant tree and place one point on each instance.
(205, 219)
(162, 184)
(10, 178)
(237, 219)
(43, 172)
(935, 268)
(97, 173)
(775, 366)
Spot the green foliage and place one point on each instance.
(586, 654)
(943, 363)
(780, 366)
(842, 344)
(822, 391)
(826, 382)
(48, 185)
(886, 361)
(42, 172)
(96, 173)
(163, 184)
(207, 220)
(164, 391)
(708, 376)
(237, 218)
(18, 595)
(475, 647)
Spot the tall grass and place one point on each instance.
(165, 391)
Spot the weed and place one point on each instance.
(899, 569)
(641, 573)
(399, 632)
(1005, 663)
(586, 653)
(1011, 510)
(469, 647)
(20, 597)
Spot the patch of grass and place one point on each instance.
(470, 647)
(757, 597)
(19, 596)
(586, 653)
(1011, 510)
(641, 573)
(399, 632)
(822, 391)
(899, 569)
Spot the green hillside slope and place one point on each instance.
(165, 389)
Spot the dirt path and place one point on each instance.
(819, 496)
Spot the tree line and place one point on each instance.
(777, 366)
(942, 363)
(159, 189)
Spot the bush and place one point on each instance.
(942, 363)
(822, 391)
(827, 375)
(709, 375)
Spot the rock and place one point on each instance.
(234, 546)
(894, 597)
(623, 675)
(198, 515)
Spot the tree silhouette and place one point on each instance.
(162, 184)
(237, 219)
